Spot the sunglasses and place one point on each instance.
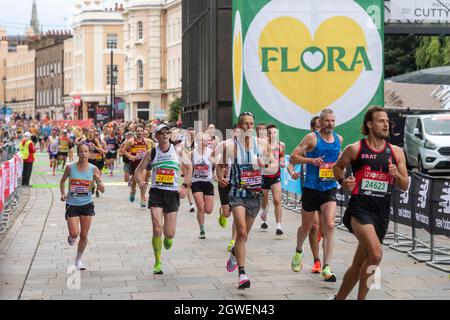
(246, 113)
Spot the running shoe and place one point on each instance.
(327, 275)
(264, 225)
(230, 245)
(317, 267)
(143, 204)
(192, 208)
(244, 282)
(167, 243)
(231, 263)
(279, 232)
(71, 241)
(296, 264)
(223, 222)
(80, 265)
(111, 174)
(202, 235)
(132, 197)
(157, 268)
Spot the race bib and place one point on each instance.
(79, 187)
(98, 156)
(165, 177)
(201, 171)
(250, 178)
(375, 183)
(326, 172)
(111, 147)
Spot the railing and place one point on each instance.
(10, 183)
(419, 216)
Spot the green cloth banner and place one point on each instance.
(294, 58)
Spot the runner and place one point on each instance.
(112, 146)
(79, 202)
(225, 209)
(126, 162)
(63, 151)
(165, 191)
(376, 165)
(135, 150)
(53, 147)
(319, 191)
(314, 235)
(272, 181)
(202, 159)
(247, 154)
(95, 152)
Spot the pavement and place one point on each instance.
(37, 263)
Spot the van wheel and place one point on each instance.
(420, 165)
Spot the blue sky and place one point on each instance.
(15, 15)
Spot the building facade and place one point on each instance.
(20, 84)
(96, 33)
(49, 71)
(152, 30)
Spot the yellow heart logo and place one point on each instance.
(237, 65)
(313, 72)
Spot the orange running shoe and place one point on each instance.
(317, 267)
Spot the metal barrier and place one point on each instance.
(425, 205)
(10, 203)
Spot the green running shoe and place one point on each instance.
(157, 268)
(223, 222)
(167, 243)
(132, 197)
(327, 275)
(230, 245)
(296, 264)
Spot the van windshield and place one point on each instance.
(437, 126)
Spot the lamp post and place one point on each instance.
(114, 83)
(4, 80)
(111, 80)
(52, 75)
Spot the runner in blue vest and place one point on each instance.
(79, 203)
(319, 191)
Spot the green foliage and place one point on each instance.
(399, 54)
(175, 109)
(433, 51)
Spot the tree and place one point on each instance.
(175, 109)
(399, 54)
(446, 52)
(434, 52)
(422, 59)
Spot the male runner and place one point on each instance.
(272, 181)
(165, 191)
(247, 154)
(376, 166)
(112, 146)
(63, 151)
(53, 147)
(319, 191)
(135, 150)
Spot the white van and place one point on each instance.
(427, 142)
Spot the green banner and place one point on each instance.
(294, 58)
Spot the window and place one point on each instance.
(111, 42)
(143, 110)
(108, 74)
(140, 75)
(169, 74)
(140, 30)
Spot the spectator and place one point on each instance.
(27, 151)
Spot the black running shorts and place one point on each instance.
(364, 217)
(223, 194)
(76, 211)
(312, 199)
(269, 182)
(202, 186)
(169, 201)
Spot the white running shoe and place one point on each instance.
(71, 241)
(80, 265)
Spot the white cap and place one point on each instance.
(65, 130)
(27, 135)
(160, 127)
